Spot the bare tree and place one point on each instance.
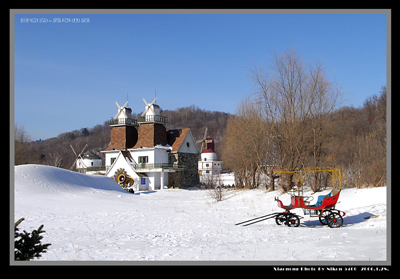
(281, 92)
(215, 189)
(55, 159)
(22, 145)
(247, 144)
(324, 99)
(296, 99)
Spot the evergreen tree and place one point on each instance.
(28, 245)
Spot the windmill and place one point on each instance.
(204, 141)
(149, 106)
(78, 157)
(120, 110)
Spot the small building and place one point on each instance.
(210, 169)
(88, 160)
(208, 164)
(152, 156)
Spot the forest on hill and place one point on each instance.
(294, 120)
(57, 151)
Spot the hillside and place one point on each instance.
(91, 218)
(197, 120)
(57, 151)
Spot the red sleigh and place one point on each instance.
(324, 208)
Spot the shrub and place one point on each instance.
(28, 245)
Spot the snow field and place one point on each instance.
(90, 218)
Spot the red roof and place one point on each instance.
(176, 137)
(210, 146)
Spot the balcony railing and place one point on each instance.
(123, 121)
(140, 119)
(153, 118)
(164, 166)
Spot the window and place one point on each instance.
(205, 159)
(91, 164)
(143, 181)
(143, 159)
(207, 165)
(112, 160)
(188, 144)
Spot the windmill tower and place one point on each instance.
(152, 131)
(78, 159)
(207, 148)
(208, 164)
(123, 131)
(151, 113)
(124, 115)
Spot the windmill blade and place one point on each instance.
(145, 111)
(82, 163)
(116, 116)
(151, 108)
(78, 157)
(152, 102)
(202, 147)
(83, 149)
(119, 109)
(118, 113)
(73, 151)
(73, 164)
(205, 133)
(148, 106)
(124, 105)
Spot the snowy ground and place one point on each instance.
(90, 218)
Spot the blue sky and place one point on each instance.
(68, 75)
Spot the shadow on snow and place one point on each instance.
(145, 193)
(347, 220)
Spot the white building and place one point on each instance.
(146, 176)
(152, 156)
(210, 169)
(88, 160)
(208, 164)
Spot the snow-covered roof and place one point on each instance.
(90, 155)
